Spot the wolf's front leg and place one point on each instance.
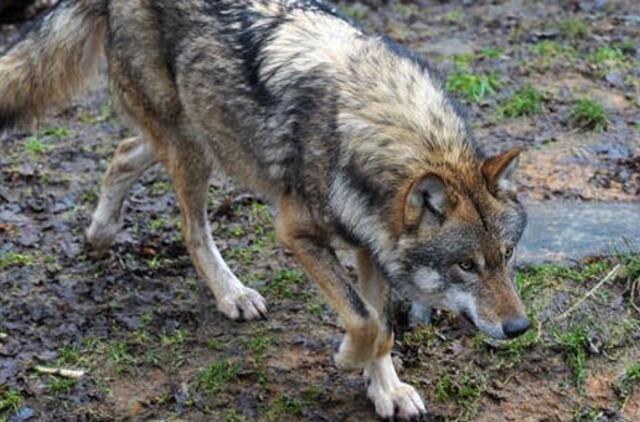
(390, 396)
(299, 231)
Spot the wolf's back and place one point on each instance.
(50, 60)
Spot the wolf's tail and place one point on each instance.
(51, 60)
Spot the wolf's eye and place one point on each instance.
(467, 265)
(508, 253)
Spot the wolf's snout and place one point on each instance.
(515, 327)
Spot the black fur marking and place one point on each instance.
(255, 31)
(373, 192)
(356, 302)
(347, 234)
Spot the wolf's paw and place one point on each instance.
(244, 304)
(101, 236)
(391, 397)
(400, 400)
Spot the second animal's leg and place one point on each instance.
(390, 396)
(190, 166)
(132, 158)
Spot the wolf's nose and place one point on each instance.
(515, 327)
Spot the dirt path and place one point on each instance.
(145, 329)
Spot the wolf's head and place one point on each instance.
(457, 232)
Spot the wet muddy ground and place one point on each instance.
(146, 330)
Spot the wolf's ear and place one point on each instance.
(500, 171)
(427, 194)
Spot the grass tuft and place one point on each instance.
(574, 345)
(589, 115)
(607, 55)
(216, 375)
(524, 102)
(630, 381)
(34, 146)
(474, 87)
(284, 283)
(10, 400)
(574, 29)
(15, 259)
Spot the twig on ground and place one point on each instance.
(67, 373)
(606, 278)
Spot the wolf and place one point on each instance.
(351, 137)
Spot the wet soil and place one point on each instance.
(146, 330)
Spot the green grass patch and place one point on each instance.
(11, 259)
(587, 114)
(536, 278)
(491, 53)
(34, 146)
(550, 53)
(629, 382)
(574, 344)
(284, 406)
(472, 86)
(57, 386)
(177, 338)
(607, 55)
(574, 29)
(258, 344)
(284, 283)
(10, 400)
(547, 48)
(214, 378)
(466, 388)
(527, 101)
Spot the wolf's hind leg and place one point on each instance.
(190, 166)
(132, 158)
(391, 397)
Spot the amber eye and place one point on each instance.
(508, 253)
(467, 265)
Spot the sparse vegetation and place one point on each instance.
(473, 86)
(465, 389)
(34, 146)
(57, 386)
(524, 102)
(10, 400)
(608, 55)
(214, 378)
(629, 382)
(574, 29)
(589, 115)
(574, 344)
(283, 406)
(10, 259)
(284, 283)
